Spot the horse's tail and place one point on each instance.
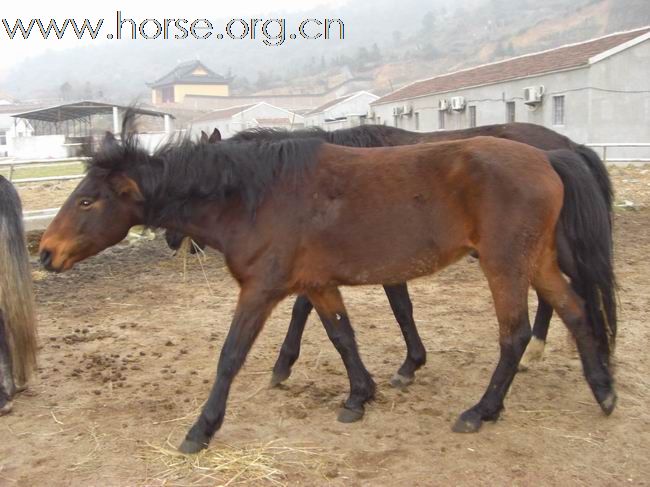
(16, 294)
(585, 227)
(599, 172)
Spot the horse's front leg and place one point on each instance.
(7, 386)
(253, 308)
(291, 346)
(331, 310)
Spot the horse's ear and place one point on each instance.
(215, 136)
(125, 186)
(204, 137)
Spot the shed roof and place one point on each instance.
(82, 109)
(558, 59)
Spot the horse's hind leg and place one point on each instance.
(329, 305)
(535, 349)
(509, 287)
(7, 387)
(290, 349)
(550, 283)
(416, 355)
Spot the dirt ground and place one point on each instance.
(130, 341)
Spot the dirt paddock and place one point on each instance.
(130, 341)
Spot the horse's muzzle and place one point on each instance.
(46, 260)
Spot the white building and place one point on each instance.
(344, 112)
(10, 130)
(596, 91)
(231, 120)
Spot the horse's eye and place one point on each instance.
(85, 203)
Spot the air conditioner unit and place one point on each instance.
(398, 111)
(443, 105)
(407, 110)
(533, 95)
(458, 103)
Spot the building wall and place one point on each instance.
(347, 110)
(40, 147)
(288, 102)
(490, 102)
(606, 102)
(10, 130)
(616, 116)
(181, 91)
(244, 120)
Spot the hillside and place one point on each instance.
(391, 46)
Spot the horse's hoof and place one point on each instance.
(468, 422)
(347, 415)
(609, 403)
(279, 377)
(399, 381)
(534, 353)
(6, 409)
(189, 447)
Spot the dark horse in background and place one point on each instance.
(304, 217)
(17, 318)
(398, 295)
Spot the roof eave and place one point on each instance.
(619, 48)
(434, 93)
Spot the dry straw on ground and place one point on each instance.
(222, 464)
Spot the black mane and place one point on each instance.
(183, 172)
(362, 136)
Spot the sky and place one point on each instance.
(12, 51)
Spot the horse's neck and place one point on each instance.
(209, 223)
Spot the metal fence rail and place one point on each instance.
(621, 160)
(14, 164)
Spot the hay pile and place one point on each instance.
(222, 464)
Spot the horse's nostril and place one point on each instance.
(46, 258)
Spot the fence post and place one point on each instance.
(11, 172)
(605, 154)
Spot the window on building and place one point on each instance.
(472, 116)
(441, 119)
(558, 110)
(510, 112)
(395, 121)
(378, 120)
(417, 120)
(3, 137)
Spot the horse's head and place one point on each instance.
(98, 213)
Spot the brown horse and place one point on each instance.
(303, 216)
(398, 295)
(18, 340)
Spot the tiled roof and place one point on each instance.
(329, 104)
(222, 113)
(183, 73)
(558, 59)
